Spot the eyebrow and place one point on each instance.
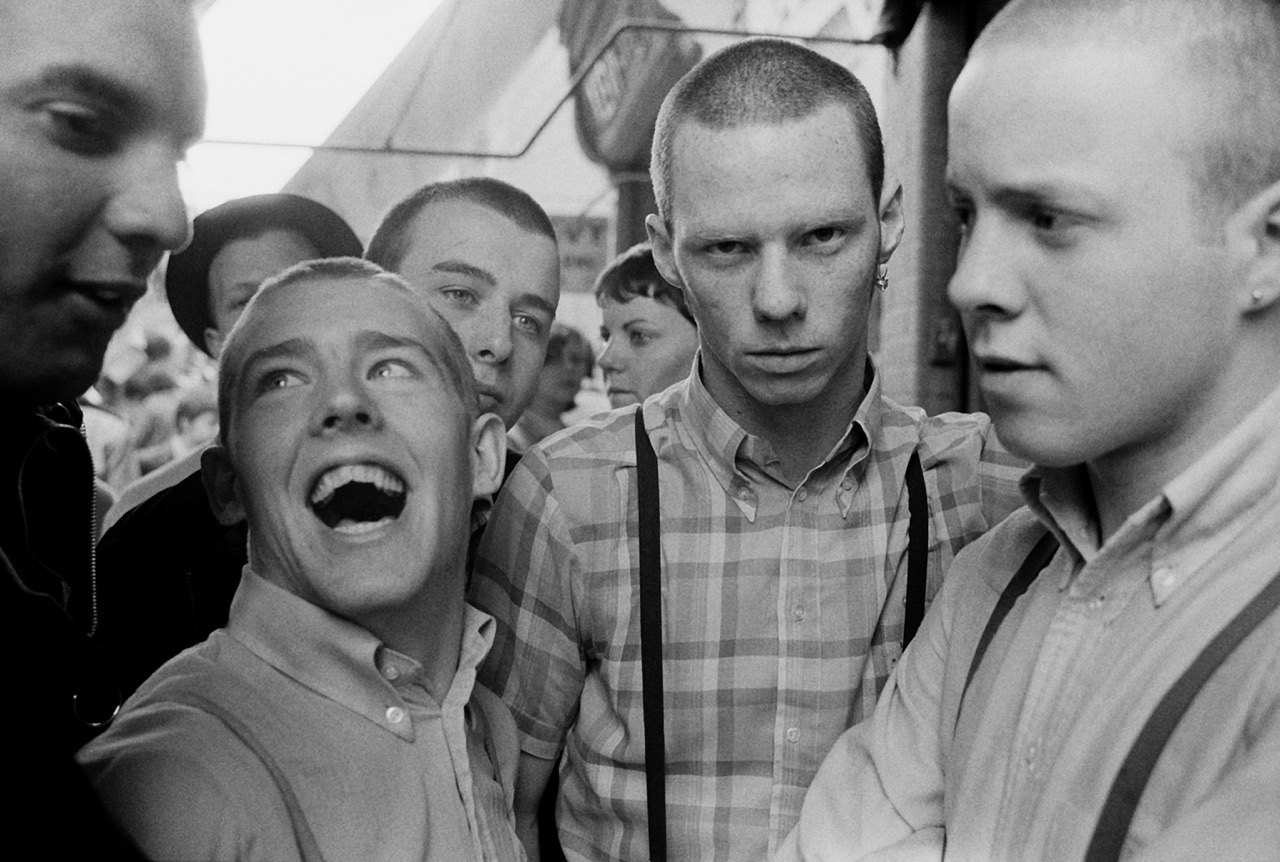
(458, 267)
(90, 82)
(95, 84)
(290, 348)
(372, 339)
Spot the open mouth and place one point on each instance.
(357, 498)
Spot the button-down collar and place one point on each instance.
(738, 460)
(1197, 514)
(340, 660)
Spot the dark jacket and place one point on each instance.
(58, 680)
(179, 562)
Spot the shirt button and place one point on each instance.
(799, 613)
(803, 494)
(395, 715)
(846, 484)
(391, 672)
(743, 493)
(793, 734)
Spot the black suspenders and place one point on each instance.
(1131, 779)
(655, 755)
(651, 615)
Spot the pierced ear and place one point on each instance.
(1253, 242)
(663, 252)
(891, 219)
(488, 455)
(221, 487)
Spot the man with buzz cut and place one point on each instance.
(1100, 677)
(483, 253)
(783, 479)
(337, 714)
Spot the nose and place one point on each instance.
(609, 360)
(777, 294)
(491, 336)
(346, 408)
(147, 212)
(983, 284)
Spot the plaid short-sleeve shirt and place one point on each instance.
(783, 607)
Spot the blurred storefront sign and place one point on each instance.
(584, 250)
(622, 89)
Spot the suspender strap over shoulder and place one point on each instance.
(1131, 780)
(655, 755)
(917, 548)
(308, 847)
(1031, 567)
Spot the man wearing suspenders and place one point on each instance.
(1100, 676)
(785, 484)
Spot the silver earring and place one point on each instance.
(1255, 298)
(882, 278)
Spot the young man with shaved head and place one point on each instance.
(483, 254)
(1100, 676)
(336, 715)
(782, 477)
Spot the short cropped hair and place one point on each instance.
(760, 81)
(451, 358)
(634, 274)
(391, 241)
(1228, 50)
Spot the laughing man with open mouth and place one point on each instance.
(337, 713)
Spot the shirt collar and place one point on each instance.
(725, 445)
(338, 659)
(1197, 513)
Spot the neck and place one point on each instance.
(429, 631)
(1126, 479)
(800, 434)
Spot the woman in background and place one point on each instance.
(650, 337)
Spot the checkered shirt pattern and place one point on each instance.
(783, 607)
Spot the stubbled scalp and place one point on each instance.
(1227, 52)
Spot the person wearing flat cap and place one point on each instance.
(165, 562)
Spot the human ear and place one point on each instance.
(221, 487)
(663, 252)
(212, 341)
(891, 220)
(488, 455)
(1253, 243)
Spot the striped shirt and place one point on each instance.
(783, 607)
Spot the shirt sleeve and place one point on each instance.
(879, 793)
(524, 576)
(175, 782)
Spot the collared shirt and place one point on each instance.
(1066, 685)
(380, 767)
(782, 607)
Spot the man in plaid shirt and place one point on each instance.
(782, 477)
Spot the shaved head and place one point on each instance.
(1225, 52)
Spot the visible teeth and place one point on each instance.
(384, 481)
